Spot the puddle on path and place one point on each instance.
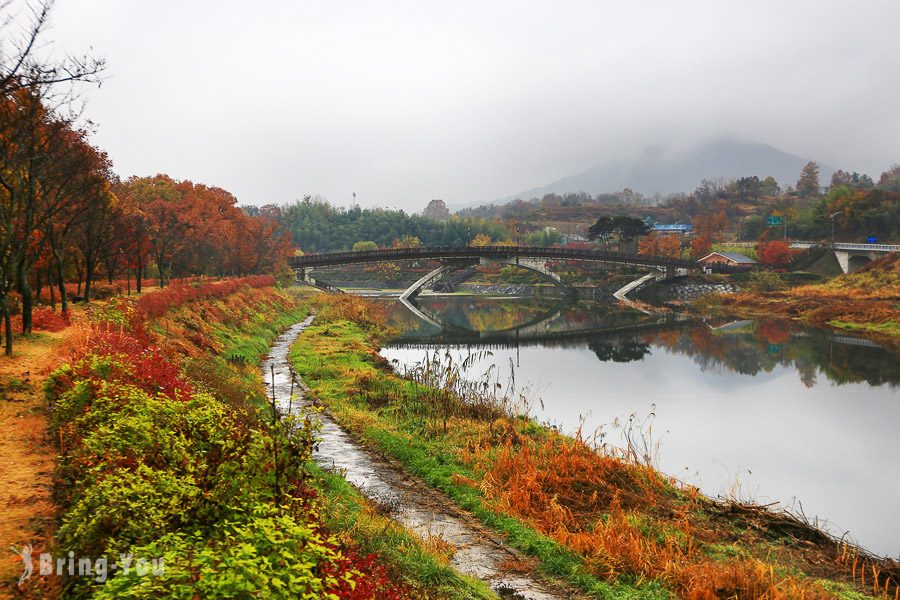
(479, 552)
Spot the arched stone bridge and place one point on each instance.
(452, 258)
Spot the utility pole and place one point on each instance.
(831, 218)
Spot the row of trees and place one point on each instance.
(317, 226)
(65, 215)
(63, 212)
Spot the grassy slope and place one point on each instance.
(337, 359)
(220, 343)
(239, 348)
(867, 300)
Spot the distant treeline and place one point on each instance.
(853, 203)
(317, 226)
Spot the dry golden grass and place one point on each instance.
(624, 518)
(27, 457)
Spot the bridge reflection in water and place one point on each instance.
(546, 327)
(614, 334)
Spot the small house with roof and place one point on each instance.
(728, 259)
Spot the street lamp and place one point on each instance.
(831, 218)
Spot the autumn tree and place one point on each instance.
(711, 225)
(808, 184)
(407, 241)
(94, 235)
(890, 180)
(49, 175)
(436, 210)
(701, 246)
(655, 244)
(363, 246)
(774, 253)
(28, 78)
(75, 189)
(853, 180)
(482, 239)
(131, 247)
(159, 198)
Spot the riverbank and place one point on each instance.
(866, 301)
(603, 520)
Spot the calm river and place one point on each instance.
(762, 410)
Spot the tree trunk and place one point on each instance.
(139, 276)
(24, 290)
(52, 289)
(7, 324)
(79, 272)
(89, 267)
(63, 299)
(38, 285)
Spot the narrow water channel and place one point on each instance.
(478, 552)
(760, 410)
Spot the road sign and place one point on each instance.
(773, 220)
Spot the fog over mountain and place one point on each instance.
(666, 170)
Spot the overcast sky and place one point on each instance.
(402, 102)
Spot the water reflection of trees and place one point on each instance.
(748, 348)
(758, 347)
(619, 349)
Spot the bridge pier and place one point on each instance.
(434, 276)
(850, 260)
(538, 266)
(304, 278)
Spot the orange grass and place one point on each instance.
(624, 518)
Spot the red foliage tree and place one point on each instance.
(701, 246)
(776, 253)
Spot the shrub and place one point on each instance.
(765, 281)
(151, 467)
(155, 304)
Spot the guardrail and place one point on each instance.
(837, 245)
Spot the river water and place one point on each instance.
(759, 410)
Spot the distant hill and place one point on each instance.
(666, 173)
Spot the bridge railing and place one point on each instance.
(868, 247)
(848, 246)
(336, 258)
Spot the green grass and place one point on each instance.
(346, 509)
(888, 328)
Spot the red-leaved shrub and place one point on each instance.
(137, 363)
(155, 304)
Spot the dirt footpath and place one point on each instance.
(27, 460)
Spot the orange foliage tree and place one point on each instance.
(701, 246)
(711, 225)
(668, 245)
